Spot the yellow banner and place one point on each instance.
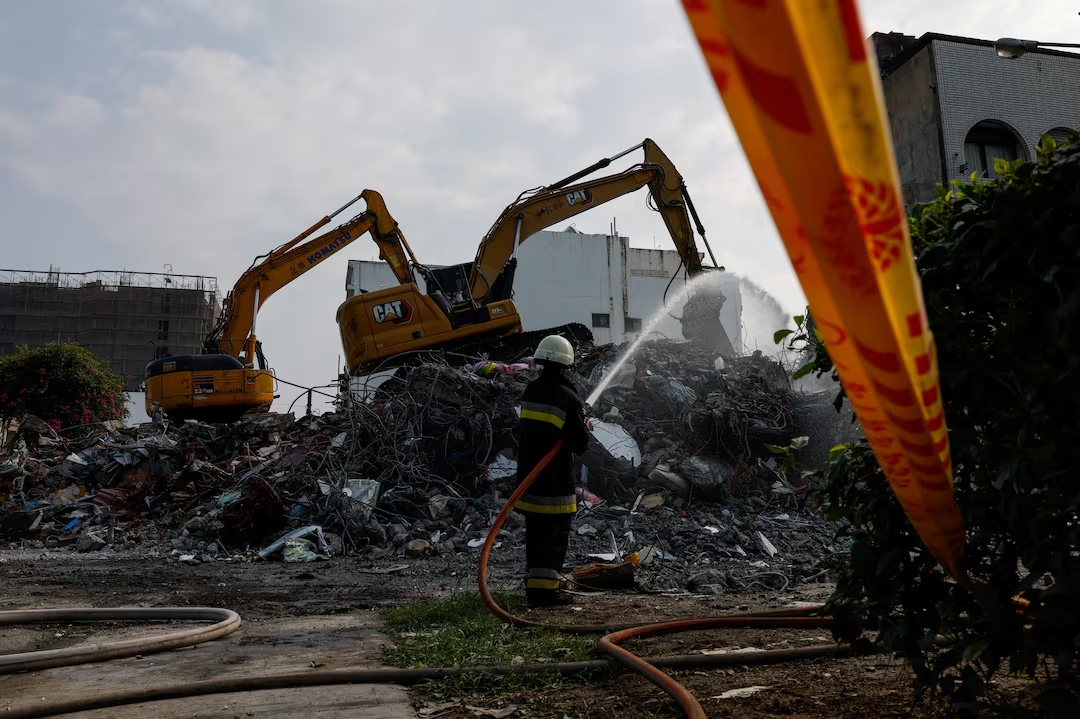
(804, 96)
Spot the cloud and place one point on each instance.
(206, 132)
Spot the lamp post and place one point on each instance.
(1010, 48)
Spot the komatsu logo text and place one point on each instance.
(399, 312)
(330, 248)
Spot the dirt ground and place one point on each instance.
(274, 592)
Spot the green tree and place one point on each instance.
(1000, 271)
(64, 384)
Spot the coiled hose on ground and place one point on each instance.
(228, 622)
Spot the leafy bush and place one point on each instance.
(63, 384)
(1000, 270)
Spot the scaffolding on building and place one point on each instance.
(127, 318)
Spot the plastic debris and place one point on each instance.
(743, 692)
(652, 501)
(312, 529)
(364, 492)
(301, 550)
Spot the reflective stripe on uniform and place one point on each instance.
(543, 413)
(547, 505)
(541, 578)
(537, 583)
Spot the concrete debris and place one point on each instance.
(502, 467)
(766, 544)
(89, 543)
(677, 473)
(616, 440)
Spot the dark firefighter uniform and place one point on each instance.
(550, 409)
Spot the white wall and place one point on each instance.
(1032, 94)
(568, 276)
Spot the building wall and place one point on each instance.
(1032, 94)
(125, 324)
(568, 277)
(915, 124)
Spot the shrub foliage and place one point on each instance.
(1000, 270)
(64, 384)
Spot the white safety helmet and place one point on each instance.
(554, 348)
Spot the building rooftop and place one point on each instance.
(895, 48)
(108, 279)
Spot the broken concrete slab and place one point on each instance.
(617, 441)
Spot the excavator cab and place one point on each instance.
(210, 387)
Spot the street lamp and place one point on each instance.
(1010, 48)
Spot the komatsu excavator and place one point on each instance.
(231, 377)
(467, 306)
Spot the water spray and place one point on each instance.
(692, 284)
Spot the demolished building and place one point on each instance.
(679, 470)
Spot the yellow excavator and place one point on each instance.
(466, 306)
(231, 376)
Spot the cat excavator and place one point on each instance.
(469, 307)
(231, 376)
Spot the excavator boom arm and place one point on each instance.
(291, 260)
(567, 198)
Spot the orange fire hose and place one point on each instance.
(613, 635)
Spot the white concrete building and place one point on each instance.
(954, 105)
(597, 280)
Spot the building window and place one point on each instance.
(987, 141)
(601, 319)
(1061, 134)
(631, 324)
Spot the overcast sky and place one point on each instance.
(200, 133)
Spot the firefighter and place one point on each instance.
(550, 410)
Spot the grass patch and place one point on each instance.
(460, 631)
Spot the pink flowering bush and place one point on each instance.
(64, 384)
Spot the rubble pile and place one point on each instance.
(703, 425)
(679, 474)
